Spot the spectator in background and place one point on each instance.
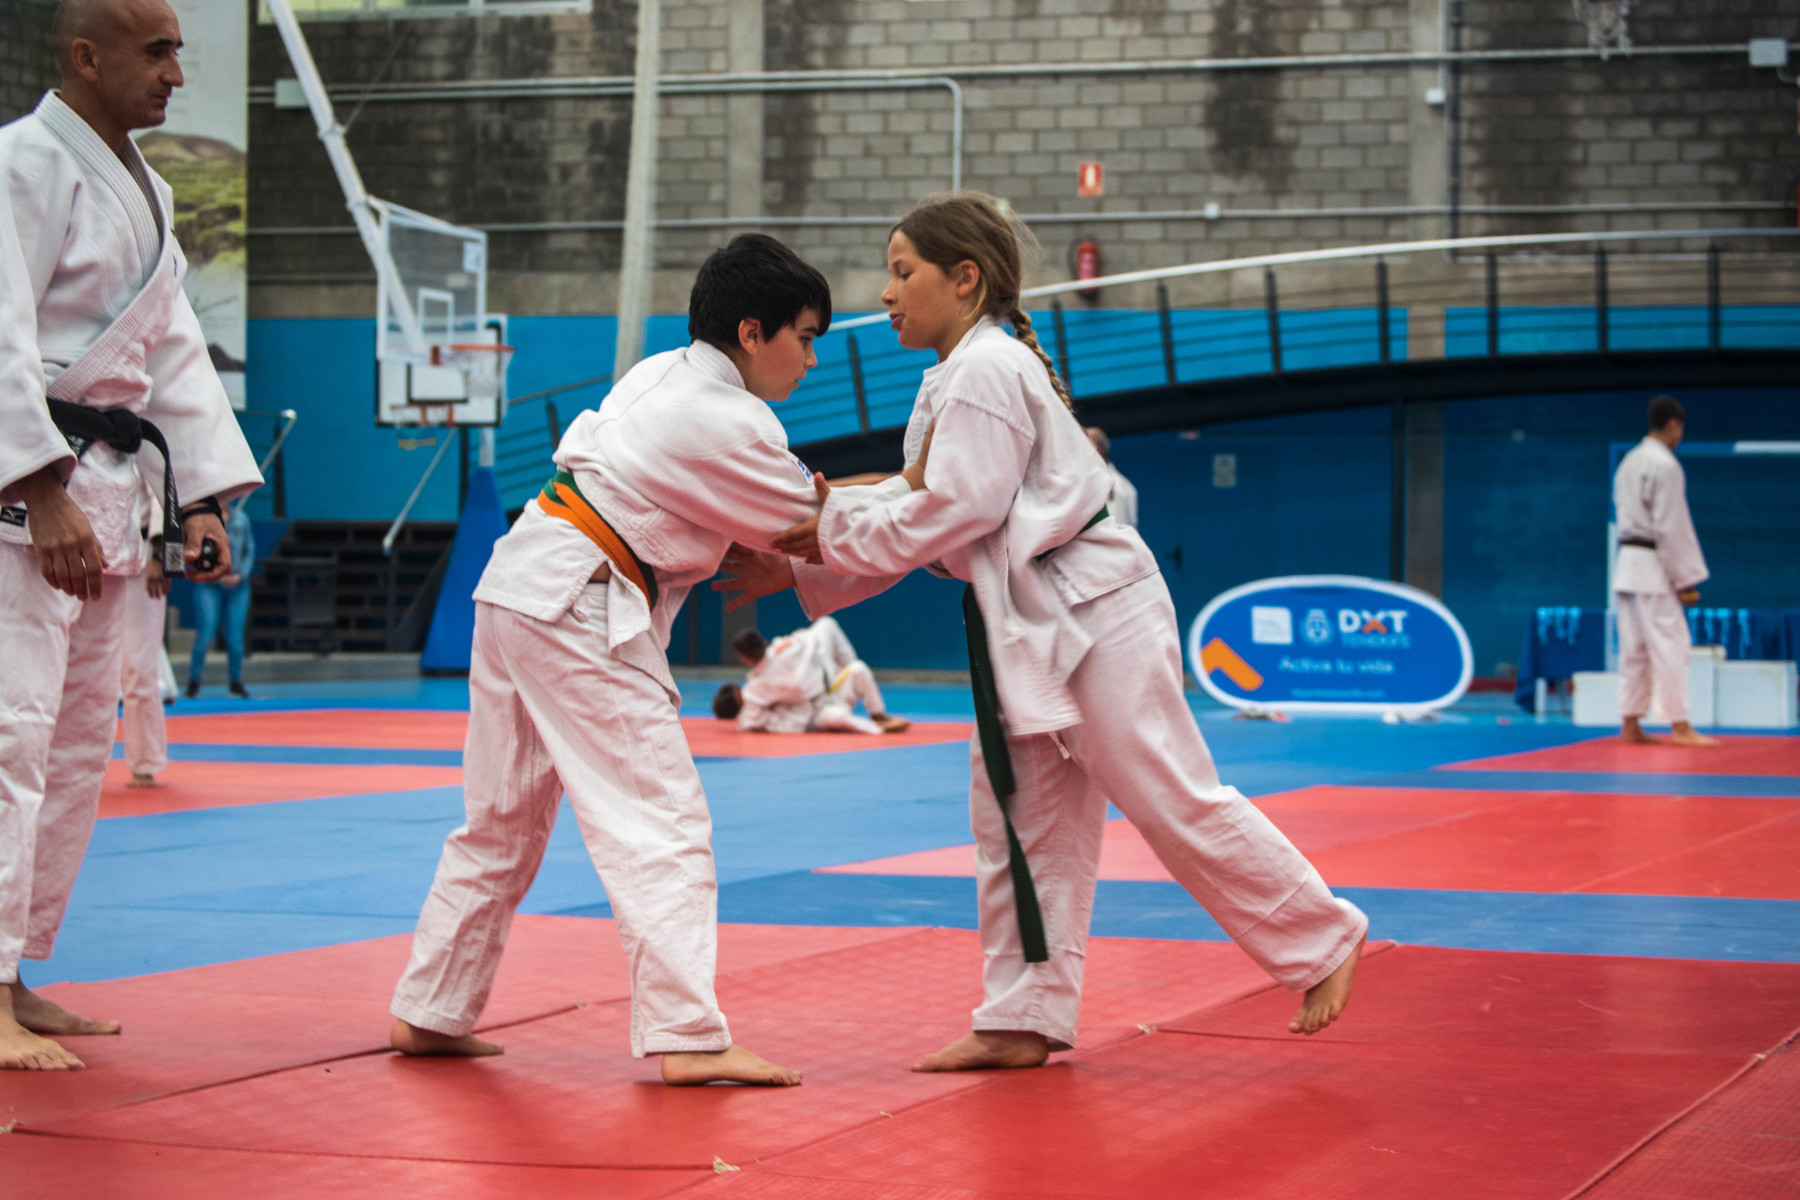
(1123, 503)
(229, 598)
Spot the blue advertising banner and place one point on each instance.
(1330, 643)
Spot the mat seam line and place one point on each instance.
(1748, 829)
(1755, 1061)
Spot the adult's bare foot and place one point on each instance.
(890, 724)
(139, 779)
(39, 1015)
(1683, 734)
(23, 1050)
(690, 1068)
(1632, 734)
(1326, 1000)
(989, 1050)
(414, 1042)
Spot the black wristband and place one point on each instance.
(208, 505)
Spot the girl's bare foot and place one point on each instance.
(1682, 734)
(23, 1050)
(39, 1015)
(138, 779)
(987, 1050)
(890, 724)
(1326, 1000)
(1632, 734)
(428, 1043)
(689, 1068)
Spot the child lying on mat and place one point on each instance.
(807, 682)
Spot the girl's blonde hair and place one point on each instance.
(955, 227)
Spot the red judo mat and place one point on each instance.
(1455, 1073)
(1493, 841)
(429, 730)
(189, 785)
(1737, 755)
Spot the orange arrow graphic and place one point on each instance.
(1217, 656)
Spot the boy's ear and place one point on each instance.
(750, 335)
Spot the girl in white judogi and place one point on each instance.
(569, 686)
(1080, 642)
(92, 316)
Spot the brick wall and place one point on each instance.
(27, 61)
(1345, 150)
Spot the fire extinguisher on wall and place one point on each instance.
(1084, 263)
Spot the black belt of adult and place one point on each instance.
(1633, 540)
(126, 432)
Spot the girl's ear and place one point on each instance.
(750, 335)
(968, 278)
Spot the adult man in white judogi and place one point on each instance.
(1656, 574)
(809, 681)
(93, 327)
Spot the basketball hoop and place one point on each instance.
(483, 366)
(1605, 21)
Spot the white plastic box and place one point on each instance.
(1751, 694)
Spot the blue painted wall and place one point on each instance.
(1525, 493)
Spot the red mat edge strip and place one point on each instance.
(1754, 1061)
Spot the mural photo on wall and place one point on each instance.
(200, 151)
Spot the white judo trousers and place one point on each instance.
(1653, 654)
(855, 684)
(140, 683)
(551, 708)
(59, 691)
(1138, 747)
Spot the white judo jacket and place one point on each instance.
(92, 311)
(1011, 477)
(1650, 498)
(681, 461)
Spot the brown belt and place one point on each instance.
(1633, 540)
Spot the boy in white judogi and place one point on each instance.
(807, 682)
(570, 686)
(95, 334)
(1656, 575)
(144, 729)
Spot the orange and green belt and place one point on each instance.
(561, 498)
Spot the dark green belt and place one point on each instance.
(999, 765)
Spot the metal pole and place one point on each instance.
(1381, 312)
(640, 193)
(1272, 301)
(1493, 304)
(555, 425)
(856, 382)
(1602, 332)
(1712, 296)
(1168, 331)
(1062, 346)
(356, 196)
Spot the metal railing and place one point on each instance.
(270, 461)
(1274, 314)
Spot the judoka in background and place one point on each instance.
(809, 681)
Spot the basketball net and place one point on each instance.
(483, 368)
(1605, 21)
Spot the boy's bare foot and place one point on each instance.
(890, 724)
(139, 779)
(1682, 734)
(39, 1015)
(1326, 1000)
(1632, 734)
(989, 1050)
(428, 1043)
(689, 1068)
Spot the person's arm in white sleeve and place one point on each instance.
(1677, 545)
(977, 463)
(30, 244)
(188, 404)
(749, 491)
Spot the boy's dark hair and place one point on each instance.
(750, 644)
(757, 277)
(1664, 409)
(728, 702)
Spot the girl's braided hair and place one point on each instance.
(954, 227)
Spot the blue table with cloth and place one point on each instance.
(1560, 641)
